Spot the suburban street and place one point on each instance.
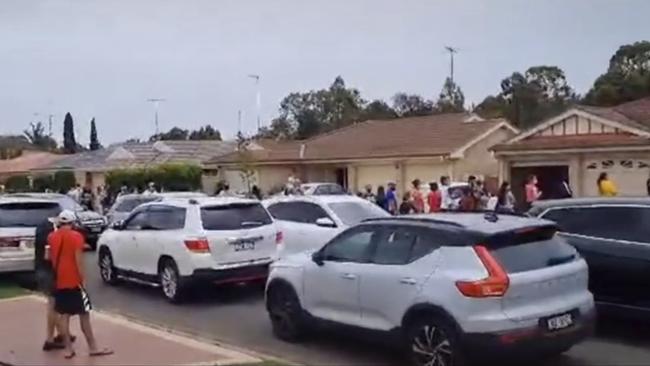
(236, 315)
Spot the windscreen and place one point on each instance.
(27, 214)
(129, 205)
(235, 216)
(352, 213)
(530, 249)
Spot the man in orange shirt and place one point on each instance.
(70, 298)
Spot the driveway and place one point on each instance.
(236, 315)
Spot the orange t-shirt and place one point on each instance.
(66, 242)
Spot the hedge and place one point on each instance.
(63, 181)
(17, 183)
(168, 177)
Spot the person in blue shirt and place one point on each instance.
(391, 199)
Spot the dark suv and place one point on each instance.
(89, 223)
(613, 235)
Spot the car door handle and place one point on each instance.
(348, 276)
(408, 281)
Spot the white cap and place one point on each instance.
(66, 217)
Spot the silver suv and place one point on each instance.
(451, 286)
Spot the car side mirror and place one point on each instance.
(118, 225)
(318, 258)
(325, 222)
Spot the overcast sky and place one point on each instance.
(104, 59)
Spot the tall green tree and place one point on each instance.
(451, 99)
(627, 78)
(69, 141)
(38, 138)
(529, 98)
(94, 141)
(206, 132)
(410, 105)
(378, 109)
(175, 133)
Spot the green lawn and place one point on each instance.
(10, 289)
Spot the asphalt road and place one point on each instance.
(236, 315)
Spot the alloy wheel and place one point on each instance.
(431, 347)
(106, 268)
(169, 282)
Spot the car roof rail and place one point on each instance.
(425, 220)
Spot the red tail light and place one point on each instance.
(198, 245)
(495, 285)
(279, 237)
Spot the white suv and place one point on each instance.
(179, 243)
(308, 222)
(451, 286)
(19, 217)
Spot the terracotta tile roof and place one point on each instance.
(28, 161)
(435, 135)
(573, 142)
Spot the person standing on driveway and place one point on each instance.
(606, 187)
(70, 297)
(44, 280)
(391, 199)
(505, 199)
(381, 199)
(434, 198)
(417, 198)
(444, 193)
(532, 192)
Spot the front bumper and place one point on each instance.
(8, 265)
(529, 342)
(231, 275)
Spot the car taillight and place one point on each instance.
(279, 237)
(198, 245)
(495, 285)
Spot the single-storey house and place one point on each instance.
(375, 152)
(26, 162)
(90, 167)
(578, 145)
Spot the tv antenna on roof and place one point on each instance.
(156, 102)
(452, 51)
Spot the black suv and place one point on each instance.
(613, 235)
(89, 223)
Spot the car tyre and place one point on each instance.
(286, 313)
(107, 269)
(433, 341)
(170, 282)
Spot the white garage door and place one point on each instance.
(630, 176)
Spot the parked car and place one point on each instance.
(308, 222)
(177, 244)
(126, 203)
(19, 217)
(89, 223)
(452, 286)
(322, 189)
(613, 235)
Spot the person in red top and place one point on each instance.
(70, 297)
(434, 198)
(417, 198)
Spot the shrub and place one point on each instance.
(63, 181)
(168, 177)
(17, 183)
(41, 183)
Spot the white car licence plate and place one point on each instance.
(244, 246)
(559, 322)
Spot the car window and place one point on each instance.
(352, 213)
(129, 204)
(67, 203)
(609, 222)
(235, 216)
(322, 189)
(137, 220)
(405, 244)
(163, 217)
(27, 214)
(352, 246)
(302, 212)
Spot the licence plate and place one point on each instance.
(559, 322)
(95, 229)
(239, 247)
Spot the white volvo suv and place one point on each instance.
(177, 244)
(450, 286)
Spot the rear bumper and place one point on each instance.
(529, 342)
(231, 275)
(16, 265)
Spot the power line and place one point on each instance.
(452, 51)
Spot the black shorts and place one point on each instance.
(72, 301)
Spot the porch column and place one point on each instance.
(400, 177)
(577, 175)
(353, 178)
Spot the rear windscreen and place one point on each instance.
(129, 205)
(528, 250)
(235, 216)
(27, 214)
